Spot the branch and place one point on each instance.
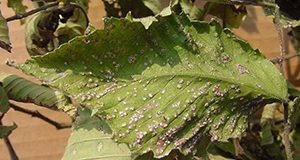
(29, 13)
(287, 129)
(287, 144)
(40, 116)
(11, 150)
(249, 2)
(279, 59)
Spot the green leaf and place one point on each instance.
(39, 38)
(294, 120)
(156, 6)
(292, 90)
(45, 32)
(91, 138)
(75, 26)
(231, 15)
(294, 110)
(20, 89)
(4, 36)
(188, 8)
(266, 123)
(165, 87)
(284, 21)
(6, 130)
(17, 6)
(213, 153)
(4, 104)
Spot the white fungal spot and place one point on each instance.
(242, 69)
(99, 146)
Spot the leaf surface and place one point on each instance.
(165, 87)
(91, 138)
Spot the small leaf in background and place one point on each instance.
(22, 90)
(91, 138)
(39, 32)
(288, 16)
(17, 6)
(45, 31)
(266, 122)
(292, 90)
(74, 26)
(4, 104)
(156, 6)
(294, 120)
(4, 35)
(294, 112)
(214, 153)
(6, 130)
(166, 87)
(188, 8)
(232, 15)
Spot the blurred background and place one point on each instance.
(37, 140)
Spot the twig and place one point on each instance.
(280, 36)
(40, 116)
(11, 150)
(239, 151)
(287, 144)
(29, 13)
(287, 57)
(287, 129)
(251, 2)
(255, 3)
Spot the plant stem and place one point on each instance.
(287, 57)
(249, 2)
(29, 13)
(11, 150)
(287, 129)
(40, 116)
(287, 144)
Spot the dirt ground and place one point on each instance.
(36, 140)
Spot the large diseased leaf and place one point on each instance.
(92, 139)
(4, 37)
(20, 89)
(165, 87)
